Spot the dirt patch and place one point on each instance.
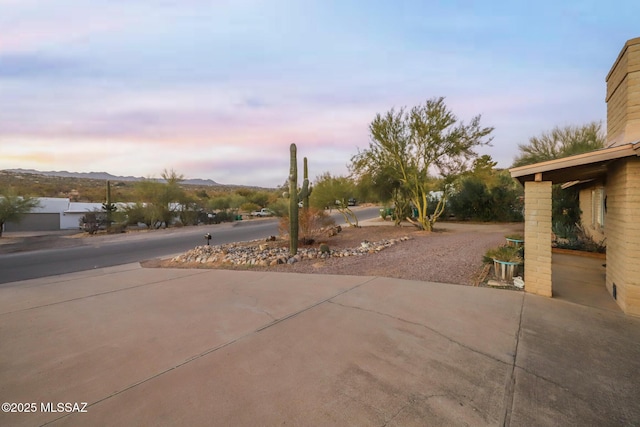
(31, 243)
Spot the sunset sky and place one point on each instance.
(219, 89)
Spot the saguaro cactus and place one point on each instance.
(305, 199)
(295, 197)
(109, 207)
(293, 201)
(108, 192)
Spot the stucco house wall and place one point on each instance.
(70, 218)
(623, 96)
(590, 224)
(623, 234)
(621, 185)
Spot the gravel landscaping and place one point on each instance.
(451, 254)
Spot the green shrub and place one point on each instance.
(474, 200)
(249, 207)
(575, 238)
(280, 207)
(585, 245)
(504, 253)
(565, 231)
(565, 206)
(225, 216)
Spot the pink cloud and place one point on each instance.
(42, 32)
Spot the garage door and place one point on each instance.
(36, 222)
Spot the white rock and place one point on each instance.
(518, 282)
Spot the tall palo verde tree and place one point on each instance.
(561, 142)
(555, 144)
(418, 145)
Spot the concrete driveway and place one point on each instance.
(213, 347)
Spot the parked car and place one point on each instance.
(351, 202)
(262, 212)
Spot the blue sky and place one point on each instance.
(219, 89)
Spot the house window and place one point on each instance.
(597, 207)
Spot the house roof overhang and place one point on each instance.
(581, 167)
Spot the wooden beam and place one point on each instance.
(538, 177)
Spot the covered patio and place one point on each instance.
(581, 280)
(615, 169)
(609, 195)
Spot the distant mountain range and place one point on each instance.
(104, 176)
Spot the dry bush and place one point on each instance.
(311, 222)
(283, 226)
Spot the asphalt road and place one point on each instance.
(134, 248)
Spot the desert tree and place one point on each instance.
(335, 191)
(385, 186)
(555, 144)
(561, 142)
(160, 198)
(422, 148)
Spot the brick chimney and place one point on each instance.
(623, 96)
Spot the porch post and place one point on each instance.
(537, 237)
